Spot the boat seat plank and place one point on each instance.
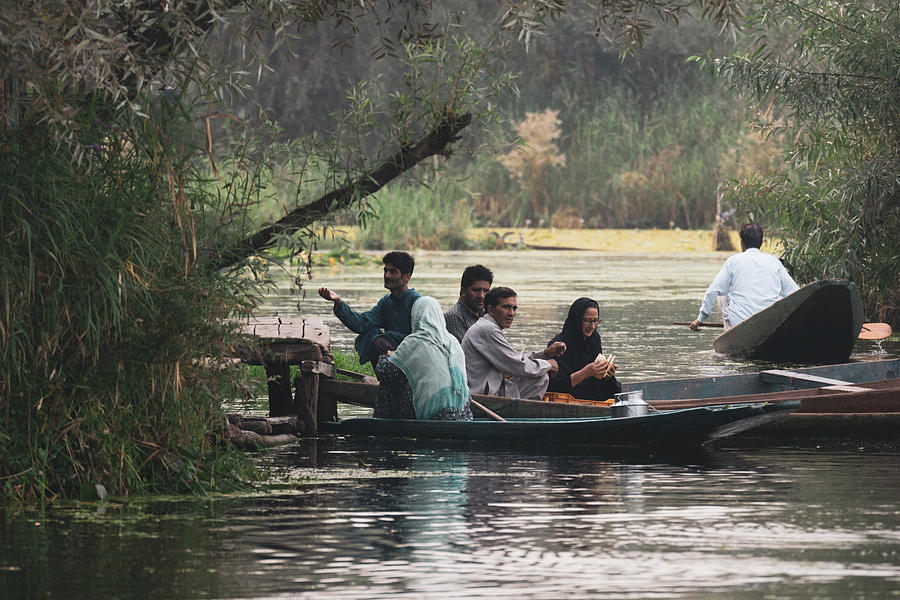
(846, 388)
(799, 380)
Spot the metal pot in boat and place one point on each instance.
(630, 404)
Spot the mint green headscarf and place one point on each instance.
(432, 361)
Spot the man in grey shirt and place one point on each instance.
(476, 283)
(492, 366)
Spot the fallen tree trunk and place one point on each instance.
(401, 161)
(249, 440)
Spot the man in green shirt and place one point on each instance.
(382, 328)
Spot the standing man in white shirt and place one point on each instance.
(748, 282)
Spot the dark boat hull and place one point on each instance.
(819, 323)
(703, 390)
(679, 428)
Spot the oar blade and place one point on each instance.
(875, 331)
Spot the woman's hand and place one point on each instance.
(595, 369)
(607, 366)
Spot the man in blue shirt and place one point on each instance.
(382, 328)
(748, 282)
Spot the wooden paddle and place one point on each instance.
(870, 331)
(487, 411)
(875, 331)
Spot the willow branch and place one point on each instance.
(436, 142)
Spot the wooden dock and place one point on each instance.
(278, 344)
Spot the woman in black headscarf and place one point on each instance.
(578, 372)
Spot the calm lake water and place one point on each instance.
(362, 519)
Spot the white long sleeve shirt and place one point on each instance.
(752, 281)
(489, 357)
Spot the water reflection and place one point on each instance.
(361, 519)
(640, 296)
(356, 518)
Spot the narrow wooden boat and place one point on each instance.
(851, 401)
(363, 394)
(819, 323)
(697, 391)
(682, 428)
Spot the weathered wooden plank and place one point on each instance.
(742, 399)
(269, 425)
(249, 440)
(799, 380)
(358, 376)
(312, 329)
(349, 392)
(844, 388)
(292, 353)
(317, 367)
(869, 401)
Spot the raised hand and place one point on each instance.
(329, 295)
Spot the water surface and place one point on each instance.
(640, 296)
(366, 520)
(357, 518)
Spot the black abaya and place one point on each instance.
(579, 352)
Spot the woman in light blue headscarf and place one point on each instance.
(425, 377)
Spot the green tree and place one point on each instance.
(830, 68)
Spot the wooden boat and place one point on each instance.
(819, 323)
(363, 394)
(850, 401)
(683, 428)
(697, 391)
(846, 403)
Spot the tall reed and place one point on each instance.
(436, 216)
(106, 315)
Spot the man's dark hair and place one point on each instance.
(402, 260)
(476, 273)
(493, 297)
(751, 235)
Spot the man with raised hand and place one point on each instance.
(382, 328)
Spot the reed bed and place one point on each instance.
(106, 319)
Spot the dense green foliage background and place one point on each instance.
(647, 138)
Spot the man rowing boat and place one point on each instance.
(747, 283)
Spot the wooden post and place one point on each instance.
(280, 343)
(278, 380)
(306, 401)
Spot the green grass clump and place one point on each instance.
(349, 361)
(418, 217)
